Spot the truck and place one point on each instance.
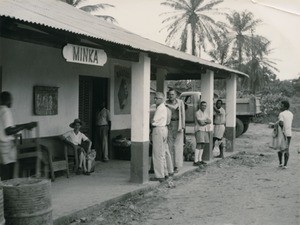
(246, 108)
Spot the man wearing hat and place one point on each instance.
(77, 139)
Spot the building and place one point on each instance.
(60, 63)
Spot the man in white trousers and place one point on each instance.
(159, 139)
(176, 129)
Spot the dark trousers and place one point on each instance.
(102, 142)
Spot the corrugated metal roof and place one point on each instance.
(59, 15)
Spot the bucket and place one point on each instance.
(27, 201)
(2, 220)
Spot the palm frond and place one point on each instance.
(175, 28)
(175, 17)
(77, 2)
(183, 40)
(176, 4)
(93, 8)
(210, 5)
(107, 18)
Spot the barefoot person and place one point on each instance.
(219, 126)
(285, 122)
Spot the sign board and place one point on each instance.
(84, 55)
(45, 100)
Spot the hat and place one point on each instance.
(75, 121)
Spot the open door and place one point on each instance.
(92, 91)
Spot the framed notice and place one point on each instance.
(45, 100)
(122, 92)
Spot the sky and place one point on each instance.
(280, 24)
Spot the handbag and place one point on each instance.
(216, 151)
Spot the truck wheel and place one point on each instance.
(246, 126)
(239, 127)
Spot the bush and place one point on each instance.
(270, 107)
(188, 151)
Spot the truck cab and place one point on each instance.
(191, 101)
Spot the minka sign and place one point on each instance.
(84, 55)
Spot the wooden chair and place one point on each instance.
(57, 159)
(60, 154)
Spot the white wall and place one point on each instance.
(121, 121)
(25, 65)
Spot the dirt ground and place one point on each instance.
(246, 188)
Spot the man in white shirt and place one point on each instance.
(176, 129)
(201, 133)
(76, 139)
(8, 151)
(285, 122)
(159, 137)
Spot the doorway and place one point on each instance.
(92, 91)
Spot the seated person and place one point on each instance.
(83, 145)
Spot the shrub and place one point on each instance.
(270, 107)
(189, 149)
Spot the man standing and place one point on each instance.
(103, 122)
(176, 129)
(285, 122)
(219, 126)
(201, 133)
(8, 151)
(159, 137)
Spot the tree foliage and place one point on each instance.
(93, 8)
(240, 48)
(233, 43)
(240, 27)
(194, 17)
(284, 88)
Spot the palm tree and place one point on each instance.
(221, 53)
(92, 8)
(259, 67)
(241, 26)
(191, 16)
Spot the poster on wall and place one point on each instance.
(45, 100)
(122, 90)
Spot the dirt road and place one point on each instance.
(247, 188)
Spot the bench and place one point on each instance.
(56, 154)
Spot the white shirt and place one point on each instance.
(201, 116)
(160, 116)
(103, 117)
(287, 118)
(6, 121)
(76, 139)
